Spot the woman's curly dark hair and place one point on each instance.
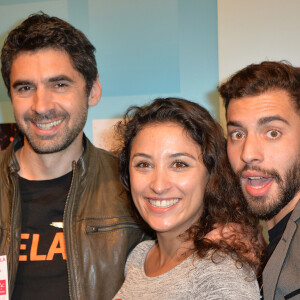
(224, 203)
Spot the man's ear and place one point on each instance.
(95, 93)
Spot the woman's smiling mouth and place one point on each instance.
(162, 203)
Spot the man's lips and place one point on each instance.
(254, 173)
(48, 125)
(257, 183)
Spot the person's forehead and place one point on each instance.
(46, 62)
(45, 51)
(255, 107)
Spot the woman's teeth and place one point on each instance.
(163, 203)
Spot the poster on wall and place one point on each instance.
(7, 133)
(104, 135)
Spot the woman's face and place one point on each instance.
(167, 177)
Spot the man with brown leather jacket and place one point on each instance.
(65, 222)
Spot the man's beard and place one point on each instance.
(267, 207)
(45, 144)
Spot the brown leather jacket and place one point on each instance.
(98, 226)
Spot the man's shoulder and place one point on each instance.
(105, 154)
(97, 158)
(5, 157)
(3, 154)
(106, 161)
(101, 153)
(296, 213)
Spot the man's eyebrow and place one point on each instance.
(52, 79)
(60, 78)
(269, 119)
(234, 123)
(262, 121)
(21, 82)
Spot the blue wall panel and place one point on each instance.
(137, 46)
(145, 48)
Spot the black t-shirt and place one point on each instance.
(275, 235)
(42, 272)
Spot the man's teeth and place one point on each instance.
(253, 178)
(163, 203)
(47, 126)
(258, 182)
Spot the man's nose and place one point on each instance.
(252, 151)
(42, 101)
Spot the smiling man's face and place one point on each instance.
(264, 150)
(49, 99)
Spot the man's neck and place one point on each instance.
(287, 209)
(35, 166)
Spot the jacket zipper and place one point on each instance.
(121, 225)
(12, 274)
(64, 220)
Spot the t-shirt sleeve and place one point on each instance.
(225, 280)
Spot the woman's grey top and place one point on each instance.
(194, 278)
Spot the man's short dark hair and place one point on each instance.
(40, 31)
(257, 79)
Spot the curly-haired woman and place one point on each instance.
(174, 166)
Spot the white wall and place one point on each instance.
(250, 31)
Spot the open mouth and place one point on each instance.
(258, 186)
(47, 126)
(258, 182)
(162, 203)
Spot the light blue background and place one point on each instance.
(145, 49)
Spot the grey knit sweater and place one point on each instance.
(192, 279)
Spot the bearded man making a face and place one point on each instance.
(262, 104)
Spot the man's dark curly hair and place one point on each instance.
(40, 31)
(223, 199)
(257, 79)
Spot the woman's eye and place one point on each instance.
(273, 134)
(143, 165)
(179, 165)
(237, 135)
